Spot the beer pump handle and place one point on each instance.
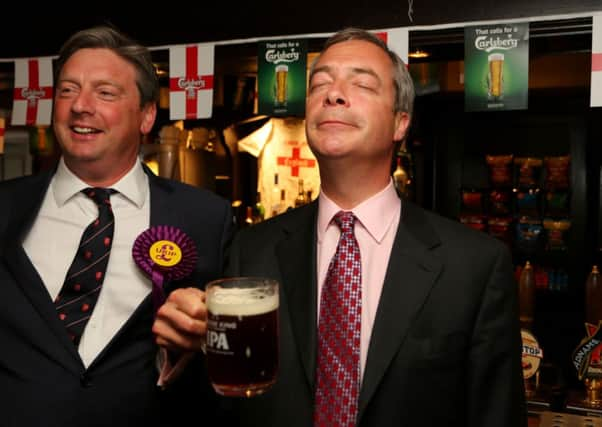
(526, 290)
(593, 297)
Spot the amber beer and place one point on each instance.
(496, 65)
(281, 80)
(242, 335)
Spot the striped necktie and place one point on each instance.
(78, 296)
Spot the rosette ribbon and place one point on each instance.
(164, 253)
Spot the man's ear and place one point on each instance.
(149, 113)
(402, 123)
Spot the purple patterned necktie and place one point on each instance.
(78, 296)
(338, 373)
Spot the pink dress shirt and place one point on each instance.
(375, 232)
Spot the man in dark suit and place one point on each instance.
(105, 100)
(439, 342)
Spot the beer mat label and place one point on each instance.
(532, 354)
(164, 253)
(586, 357)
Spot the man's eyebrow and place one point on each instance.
(320, 69)
(362, 70)
(354, 70)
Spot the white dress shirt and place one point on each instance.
(378, 218)
(54, 238)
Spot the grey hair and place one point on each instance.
(105, 37)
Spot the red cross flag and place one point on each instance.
(2, 125)
(295, 161)
(191, 81)
(398, 40)
(32, 98)
(596, 85)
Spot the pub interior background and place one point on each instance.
(447, 145)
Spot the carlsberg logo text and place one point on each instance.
(488, 43)
(276, 57)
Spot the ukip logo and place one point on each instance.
(165, 253)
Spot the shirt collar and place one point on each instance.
(133, 185)
(375, 214)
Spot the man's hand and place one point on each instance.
(181, 323)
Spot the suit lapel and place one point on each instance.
(411, 273)
(296, 259)
(25, 209)
(34, 289)
(161, 211)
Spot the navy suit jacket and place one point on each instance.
(43, 381)
(445, 348)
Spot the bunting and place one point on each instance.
(596, 85)
(191, 81)
(398, 41)
(32, 96)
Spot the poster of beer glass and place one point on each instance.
(496, 67)
(281, 77)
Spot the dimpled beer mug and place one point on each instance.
(242, 335)
(495, 76)
(281, 82)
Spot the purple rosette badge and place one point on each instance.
(164, 253)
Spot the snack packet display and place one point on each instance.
(500, 202)
(477, 222)
(500, 170)
(529, 232)
(472, 201)
(556, 233)
(557, 172)
(527, 171)
(528, 202)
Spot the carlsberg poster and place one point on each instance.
(496, 67)
(281, 77)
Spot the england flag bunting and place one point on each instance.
(596, 85)
(398, 40)
(191, 81)
(32, 97)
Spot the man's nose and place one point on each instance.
(335, 96)
(83, 103)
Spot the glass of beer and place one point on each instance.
(242, 335)
(495, 78)
(281, 83)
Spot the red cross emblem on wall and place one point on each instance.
(296, 161)
(33, 92)
(192, 82)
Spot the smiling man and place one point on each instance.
(77, 348)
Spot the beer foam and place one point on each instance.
(241, 302)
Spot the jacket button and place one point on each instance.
(85, 381)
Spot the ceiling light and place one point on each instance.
(419, 54)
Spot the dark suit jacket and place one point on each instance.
(42, 379)
(445, 349)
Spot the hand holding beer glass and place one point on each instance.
(242, 335)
